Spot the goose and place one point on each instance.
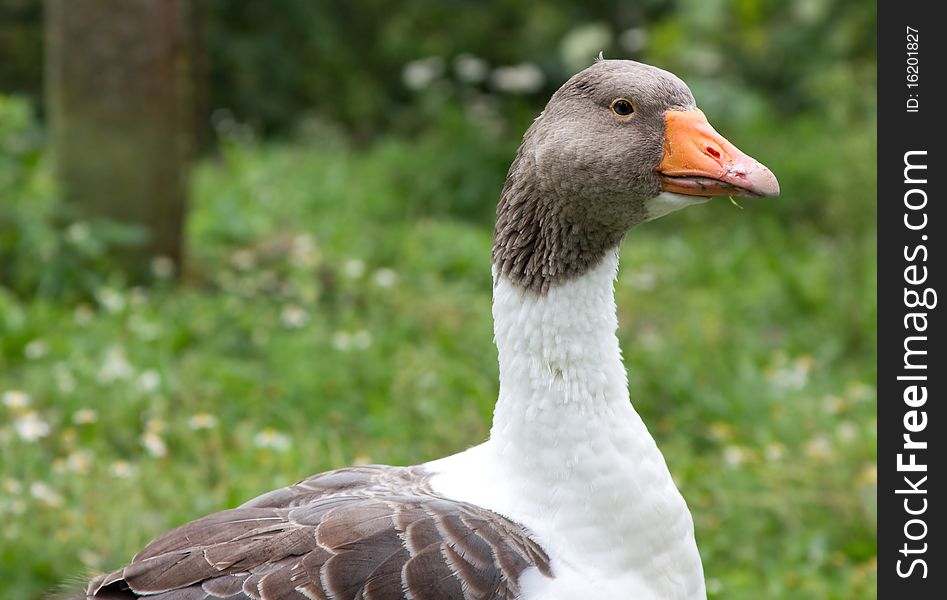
(570, 497)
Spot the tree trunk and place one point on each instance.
(122, 93)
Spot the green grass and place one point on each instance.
(336, 309)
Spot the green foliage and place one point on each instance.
(26, 192)
(345, 62)
(273, 63)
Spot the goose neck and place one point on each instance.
(559, 355)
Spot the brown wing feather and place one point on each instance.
(365, 533)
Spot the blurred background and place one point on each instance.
(241, 243)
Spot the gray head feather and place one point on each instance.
(582, 175)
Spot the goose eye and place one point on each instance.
(622, 107)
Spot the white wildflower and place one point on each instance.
(293, 317)
(79, 461)
(652, 338)
(12, 486)
(427, 380)
(707, 62)
(774, 452)
(271, 439)
(115, 365)
(582, 43)
(833, 404)
(385, 277)
(342, 340)
(154, 444)
(111, 300)
(791, 376)
(846, 431)
(35, 349)
(202, 421)
(144, 329)
(242, 260)
(223, 121)
(31, 427)
(16, 507)
(149, 381)
(155, 425)
(303, 252)
(524, 78)
(16, 399)
(362, 339)
(419, 74)
(83, 314)
(85, 416)
(121, 469)
(78, 233)
(90, 559)
(868, 475)
(353, 268)
(65, 380)
(471, 69)
(45, 494)
(819, 447)
(163, 267)
(634, 39)
(860, 392)
(644, 280)
(734, 456)
(138, 296)
(714, 586)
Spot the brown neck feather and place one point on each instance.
(540, 239)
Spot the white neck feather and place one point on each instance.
(568, 456)
(559, 361)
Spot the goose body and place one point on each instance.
(570, 497)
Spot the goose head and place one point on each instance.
(620, 143)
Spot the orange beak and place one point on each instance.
(698, 161)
